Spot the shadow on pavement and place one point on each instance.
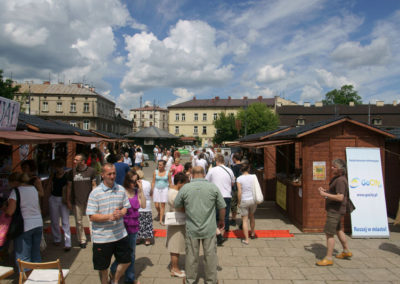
(318, 250)
(390, 247)
(140, 265)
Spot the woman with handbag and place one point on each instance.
(26, 199)
(57, 204)
(176, 233)
(336, 199)
(246, 203)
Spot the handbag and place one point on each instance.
(17, 221)
(175, 218)
(4, 225)
(257, 193)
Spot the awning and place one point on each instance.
(265, 143)
(26, 137)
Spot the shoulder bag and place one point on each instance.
(257, 193)
(17, 221)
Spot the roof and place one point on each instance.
(26, 137)
(59, 89)
(337, 109)
(149, 108)
(152, 132)
(216, 102)
(106, 134)
(260, 135)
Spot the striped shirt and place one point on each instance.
(104, 200)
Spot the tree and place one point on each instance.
(226, 130)
(257, 118)
(7, 90)
(344, 96)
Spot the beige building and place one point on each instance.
(195, 118)
(149, 116)
(76, 104)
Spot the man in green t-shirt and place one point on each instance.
(201, 199)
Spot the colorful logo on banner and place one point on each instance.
(357, 183)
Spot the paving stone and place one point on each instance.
(274, 281)
(73, 279)
(228, 273)
(291, 273)
(253, 273)
(379, 274)
(246, 251)
(286, 243)
(233, 261)
(318, 273)
(231, 281)
(292, 261)
(272, 252)
(263, 261)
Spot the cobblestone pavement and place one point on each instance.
(274, 260)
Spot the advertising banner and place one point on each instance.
(9, 112)
(367, 192)
(281, 195)
(319, 170)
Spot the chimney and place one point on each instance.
(245, 98)
(260, 98)
(194, 98)
(319, 104)
(229, 98)
(46, 82)
(217, 98)
(91, 89)
(351, 104)
(307, 104)
(380, 103)
(394, 103)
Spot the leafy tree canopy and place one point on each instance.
(226, 130)
(6, 87)
(344, 96)
(258, 118)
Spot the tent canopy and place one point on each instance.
(152, 132)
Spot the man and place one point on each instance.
(224, 179)
(127, 160)
(236, 171)
(121, 169)
(155, 153)
(107, 204)
(201, 199)
(81, 181)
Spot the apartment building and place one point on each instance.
(149, 116)
(195, 118)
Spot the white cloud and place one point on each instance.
(311, 93)
(353, 54)
(128, 100)
(328, 79)
(269, 73)
(26, 35)
(182, 94)
(188, 57)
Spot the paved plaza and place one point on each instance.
(264, 260)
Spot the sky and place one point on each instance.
(169, 51)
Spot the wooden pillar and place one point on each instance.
(270, 172)
(71, 152)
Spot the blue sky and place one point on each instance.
(169, 51)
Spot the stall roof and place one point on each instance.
(152, 132)
(106, 134)
(263, 135)
(26, 137)
(266, 143)
(307, 129)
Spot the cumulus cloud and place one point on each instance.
(127, 100)
(188, 57)
(182, 94)
(268, 74)
(330, 80)
(353, 54)
(311, 93)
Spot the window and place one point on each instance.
(204, 130)
(196, 117)
(142, 115)
(86, 124)
(176, 129)
(183, 117)
(204, 116)
(300, 121)
(59, 107)
(72, 123)
(195, 130)
(151, 123)
(134, 116)
(151, 116)
(45, 106)
(231, 114)
(73, 107)
(376, 121)
(176, 116)
(85, 107)
(215, 116)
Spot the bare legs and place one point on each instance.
(342, 238)
(157, 206)
(120, 271)
(175, 264)
(330, 243)
(245, 227)
(162, 210)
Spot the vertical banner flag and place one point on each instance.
(367, 192)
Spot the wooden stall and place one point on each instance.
(392, 170)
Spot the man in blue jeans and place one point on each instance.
(223, 178)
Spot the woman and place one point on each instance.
(175, 168)
(188, 170)
(139, 158)
(336, 198)
(202, 162)
(145, 216)
(27, 245)
(134, 191)
(160, 190)
(176, 234)
(246, 202)
(29, 167)
(58, 184)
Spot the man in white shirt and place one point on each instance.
(224, 179)
(127, 159)
(202, 162)
(155, 152)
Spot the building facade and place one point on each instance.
(195, 118)
(76, 104)
(149, 116)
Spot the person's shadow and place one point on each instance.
(140, 265)
(318, 250)
(390, 247)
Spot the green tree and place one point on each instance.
(344, 96)
(226, 130)
(7, 90)
(257, 118)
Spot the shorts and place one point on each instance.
(103, 252)
(247, 207)
(333, 223)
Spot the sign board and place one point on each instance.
(148, 141)
(367, 192)
(9, 112)
(281, 195)
(319, 170)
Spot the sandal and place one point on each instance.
(244, 242)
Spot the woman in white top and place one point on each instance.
(145, 216)
(246, 202)
(127, 159)
(138, 158)
(201, 161)
(27, 245)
